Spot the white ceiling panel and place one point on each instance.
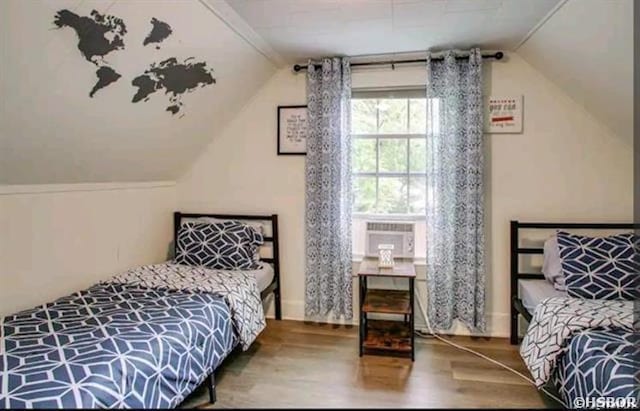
(301, 29)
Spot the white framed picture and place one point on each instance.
(292, 130)
(503, 114)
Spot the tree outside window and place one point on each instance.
(389, 155)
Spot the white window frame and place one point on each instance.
(390, 93)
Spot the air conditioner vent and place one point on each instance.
(392, 227)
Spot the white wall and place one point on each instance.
(239, 172)
(57, 239)
(586, 48)
(565, 166)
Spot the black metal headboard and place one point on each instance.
(274, 287)
(516, 251)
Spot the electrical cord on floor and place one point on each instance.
(433, 334)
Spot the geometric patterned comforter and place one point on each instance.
(238, 288)
(112, 345)
(600, 364)
(144, 339)
(558, 321)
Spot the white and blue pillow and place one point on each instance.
(225, 245)
(600, 267)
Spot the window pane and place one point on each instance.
(377, 116)
(418, 155)
(364, 155)
(364, 191)
(393, 155)
(418, 113)
(392, 116)
(417, 199)
(363, 116)
(392, 198)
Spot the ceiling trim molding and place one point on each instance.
(236, 23)
(540, 24)
(66, 188)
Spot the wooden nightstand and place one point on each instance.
(387, 336)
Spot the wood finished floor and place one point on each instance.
(297, 364)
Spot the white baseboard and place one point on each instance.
(497, 323)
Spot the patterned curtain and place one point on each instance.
(455, 227)
(328, 190)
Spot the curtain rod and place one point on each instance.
(497, 55)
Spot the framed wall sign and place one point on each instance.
(292, 130)
(503, 115)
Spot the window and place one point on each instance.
(388, 130)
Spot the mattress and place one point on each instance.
(264, 276)
(534, 291)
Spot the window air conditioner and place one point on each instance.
(401, 235)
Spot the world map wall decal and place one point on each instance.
(101, 34)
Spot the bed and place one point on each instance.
(145, 338)
(583, 348)
(533, 285)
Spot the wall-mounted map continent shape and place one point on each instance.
(98, 36)
(175, 78)
(92, 32)
(106, 76)
(159, 32)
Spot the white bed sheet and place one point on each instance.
(534, 291)
(264, 276)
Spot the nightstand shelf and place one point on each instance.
(387, 301)
(387, 336)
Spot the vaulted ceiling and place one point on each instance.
(586, 48)
(140, 125)
(299, 29)
(52, 131)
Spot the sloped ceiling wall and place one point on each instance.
(586, 48)
(53, 132)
